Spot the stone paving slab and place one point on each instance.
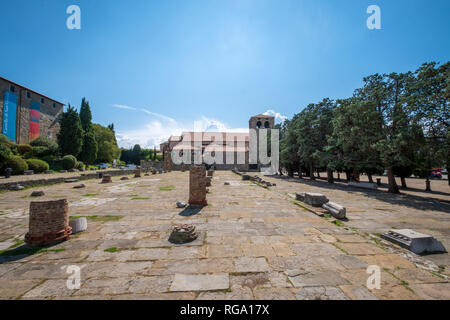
(200, 282)
(254, 243)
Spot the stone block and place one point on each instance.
(364, 185)
(300, 196)
(181, 204)
(315, 199)
(245, 177)
(197, 185)
(414, 241)
(78, 225)
(336, 210)
(28, 172)
(37, 194)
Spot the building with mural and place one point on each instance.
(26, 114)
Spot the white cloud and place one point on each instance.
(160, 128)
(278, 116)
(121, 106)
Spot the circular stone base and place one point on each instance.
(183, 234)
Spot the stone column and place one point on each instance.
(197, 185)
(49, 223)
(137, 173)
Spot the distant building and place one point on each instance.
(236, 148)
(26, 114)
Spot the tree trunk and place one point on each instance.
(339, 176)
(300, 175)
(311, 171)
(448, 176)
(370, 178)
(403, 183)
(318, 173)
(330, 176)
(291, 173)
(393, 188)
(347, 175)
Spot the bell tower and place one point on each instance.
(261, 121)
(255, 123)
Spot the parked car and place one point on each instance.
(103, 166)
(436, 173)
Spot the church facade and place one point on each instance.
(221, 150)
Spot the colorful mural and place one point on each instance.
(9, 115)
(35, 113)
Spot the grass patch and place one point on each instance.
(140, 198)
(344, 251)
(378, 242)
(339, 223)
(112, 249)
(89, 195)
(167, 188)
(98, 218)
(17, 243)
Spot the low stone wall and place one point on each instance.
(49, 181)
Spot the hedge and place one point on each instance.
(68, 162)
(37, 165)
(17, 164)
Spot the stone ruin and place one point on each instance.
(320, 200)
(106, 178)
(210, 173)
(197, 185)
(336, 210)
(183, 233)
(315, 199)
(137, 173)
(49, 223)
(208, 181)
(78, 225)
(416, 242)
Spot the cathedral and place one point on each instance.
(233, 148)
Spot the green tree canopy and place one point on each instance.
(70, 135)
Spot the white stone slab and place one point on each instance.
(200, 282)
(364, 185)
(414, 241)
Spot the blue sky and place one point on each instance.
(153, 67)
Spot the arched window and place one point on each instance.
(267, 125)
(258, 124)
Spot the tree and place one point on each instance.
(136, 154)
(107, 146)
(70, 135)
(429, 105)
(90, 147)
(85, 115)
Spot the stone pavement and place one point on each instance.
(254, 243)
